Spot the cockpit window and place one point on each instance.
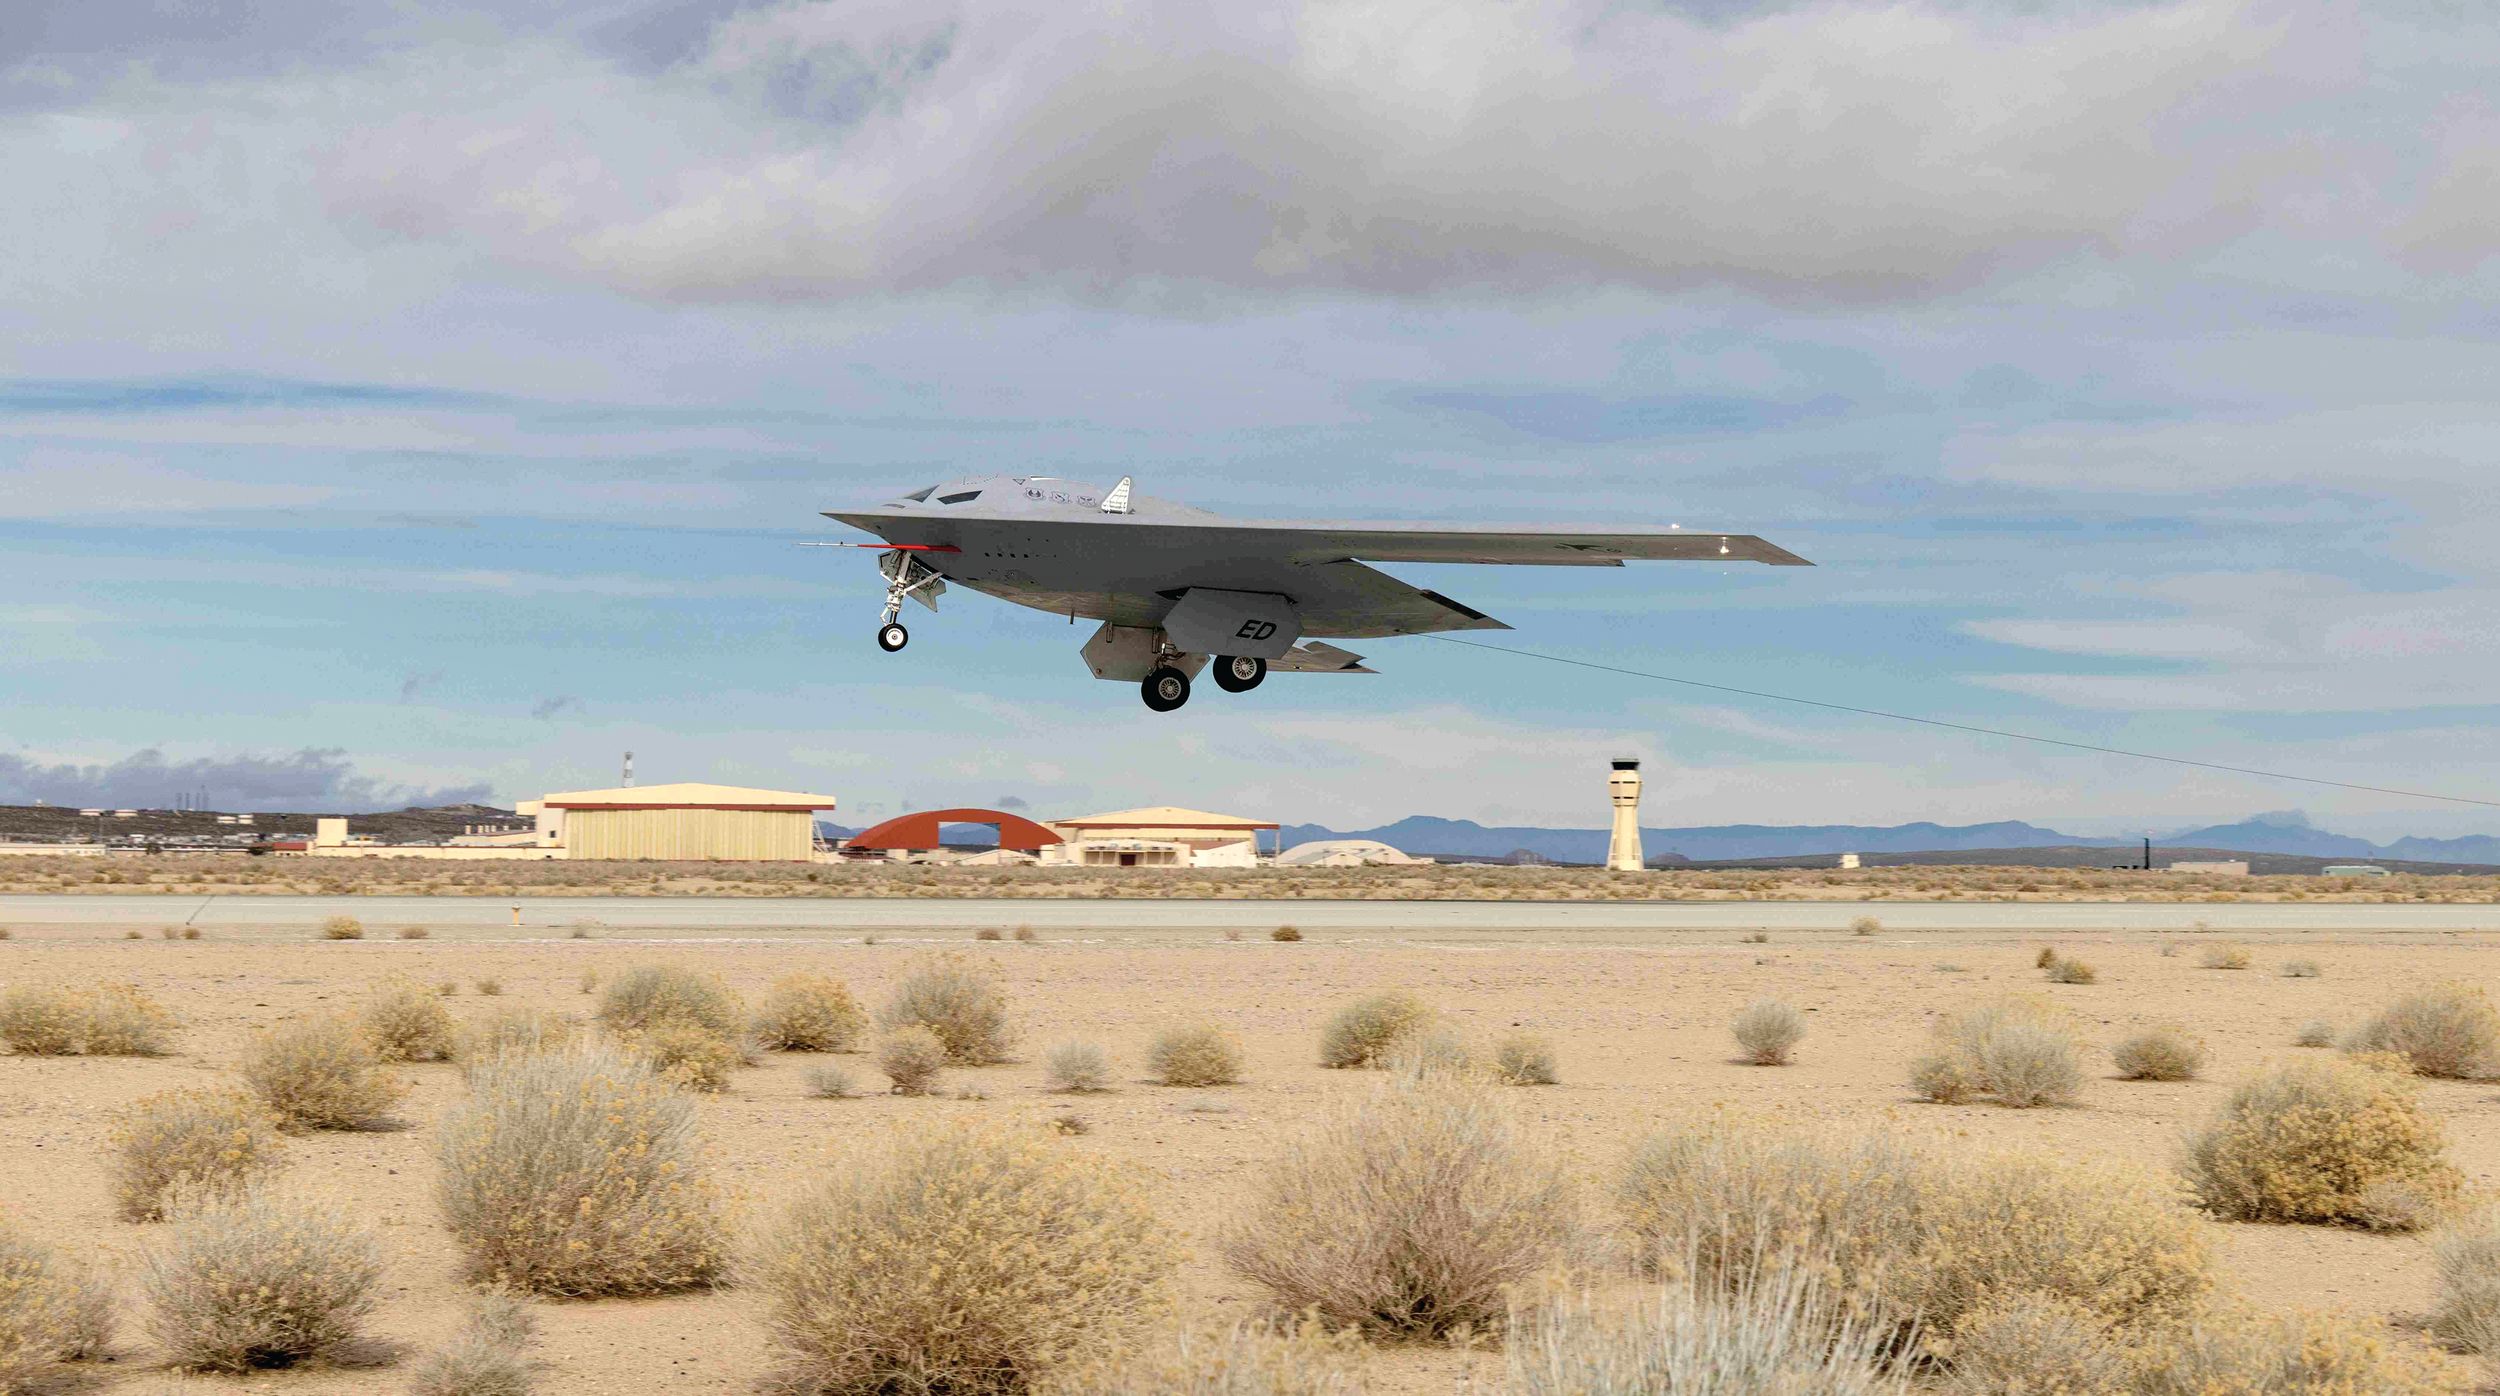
(920, 496)
(959, 498)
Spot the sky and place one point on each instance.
(419, 401)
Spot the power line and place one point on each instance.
(1966, 727)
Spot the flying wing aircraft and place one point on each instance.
(1176, 587)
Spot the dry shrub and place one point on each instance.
(577, 1172)
(489, 986)
(1526, 1059)
(2023, 1051)
(686, 1055)
(2303, 1353)
(1925, 1235)
(1194, 1054)
(1244, 1360)
(911, 1058)
(1776, 1338)
(506, 1030)
(2449, 1031)
(1864, 926)
(413, 933)
(2317, 1032)
(963, 1260)
(1077, 1068)
(1769, 1031)
(1285, 933)
(2046, 957)
(2035, 1345)
(1409, 1210)
(1026, 935)
(988, 933)
(958, 999)
(2223, 957)
(2467, 1316)
(647, 996)
(342, 928)
(115, 1020)
(825, 1081)
(181, 1145)
(2071, 971)
(1363, 1032)
(809, 1013)
(405, 1022)
(1435, 1049)
(2301, 969)
(260, 1281)
(52, 1313)
(2323, 1140)
(2162, 1053)
(121, 1021)
(321, 1073)
(488, 1357)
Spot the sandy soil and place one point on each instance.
(1640, 1025)
(238, 875)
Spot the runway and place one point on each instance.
(532, 918)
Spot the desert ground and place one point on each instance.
(1639, 1017)
(279, 875)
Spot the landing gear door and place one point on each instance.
(906, 575)
(1253, 624)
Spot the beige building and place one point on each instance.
(687, 821)
(1163, 836)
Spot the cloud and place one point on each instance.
(1012, 802)
(549, 709)
(1847, 151)
(415, 684)
(307, 780)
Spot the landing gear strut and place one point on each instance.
(903, 577)
(1165, 688)
(1238, 673)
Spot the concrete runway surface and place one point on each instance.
(251, 917)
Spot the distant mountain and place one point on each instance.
(1425, 834)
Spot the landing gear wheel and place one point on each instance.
(892, 636)
(1165, 689)
(1238, 673)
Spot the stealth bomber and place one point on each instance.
(1177, 589)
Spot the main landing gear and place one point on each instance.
(1165, 688)
(1238, 674)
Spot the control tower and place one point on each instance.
(1623, 786)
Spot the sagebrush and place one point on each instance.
(1194, 1054)
(180, 1145)
(958, 999)
(489, 1356)
(965, 1259)
(406, 1022)
(2449, 1031)
(912, 1058)
(52, 1312)
(2163, 1053)
(650, 996)
(577, 1171)
(809, 1013)
(2023, 1051)
(322, 1073)
(1412, 1209)
(2324, 1140)
(1365, 1031)
(260, 1280)
(1769, 1032)
(1777, 1337)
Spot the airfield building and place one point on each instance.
(1162, 836)
(687, 820)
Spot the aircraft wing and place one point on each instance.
(1548, 545)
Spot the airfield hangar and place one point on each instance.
(686, 821)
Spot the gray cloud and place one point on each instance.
(1840, 151)
(311, 779)
(415, 684)
(1012, 802)
(549, 709)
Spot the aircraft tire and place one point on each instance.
(1238, 674)
(1165, 689)
(891, 636)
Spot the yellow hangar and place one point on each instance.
(688, 821)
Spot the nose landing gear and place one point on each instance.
(891, 636)
(1238, 673)
(904, 577)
